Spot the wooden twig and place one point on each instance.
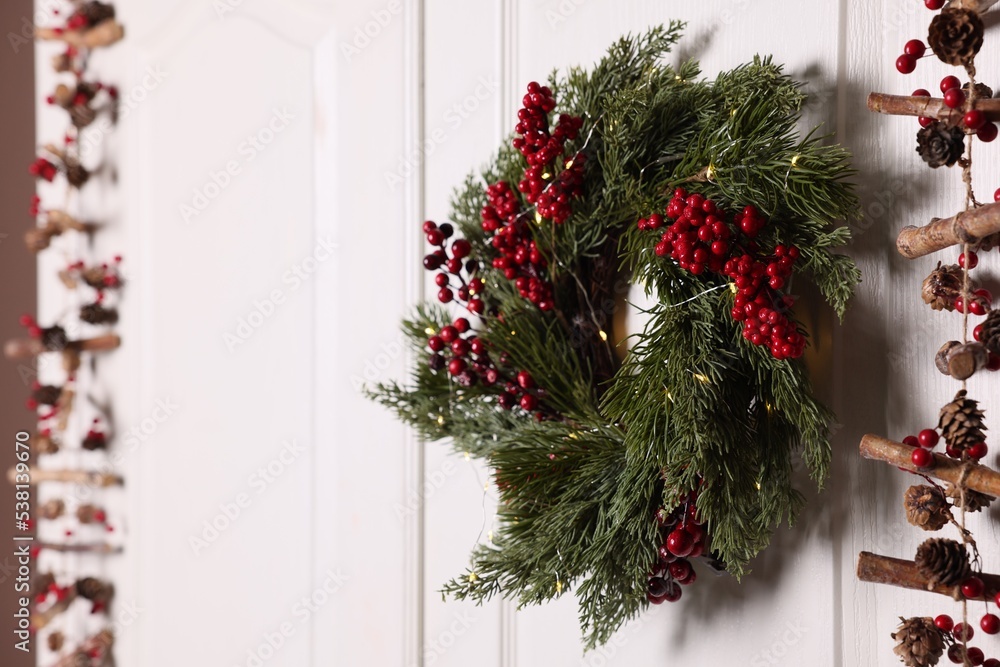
(975, 5)
(929, 107)
(877, 569)
(104, 33)
(966, 227)
(97, 548)
(25, 348)
(90, 478)
(40, 620)
(979, 478)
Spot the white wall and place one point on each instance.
(364, 499)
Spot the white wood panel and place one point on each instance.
(462, 102)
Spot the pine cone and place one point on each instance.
(943, 561)
(96, 12)
(94, 441)
(956, 35)
(45, 444)
(983, 92)
(52, 509)
(990, 335)
(940, 145)
(77, 174)
(82, 115)
(94, 276)
(918, 642)
(56, 641)
(87, 514)
(926, 507)
(974, 500)
(54, 338)
(47, 394)
(95, 313)
(961, 423)
(43, 582)
(943, 286)
(93, 589)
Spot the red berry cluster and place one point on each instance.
(699, 237)
(699, 240)
(44, 169)
(455, 264)
(972, 588)
(542, 149)
(469, 362)
(924, 442)
(520, 260)
(973, 120)
(684, 538)
(760, 308)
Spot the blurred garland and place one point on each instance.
(613, 476)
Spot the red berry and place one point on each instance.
(987, 132)
(445, 295)
(950, 82)
(991, 662)
(680, 542)
(680, 570)
(456, 366)
(441, 279)
(955, 654)
(944, 623)
(906, 64)
(914, 48)
(984, 295)
(673, 592)
(448, 334)
(934, 4)
(524, 380)
(990, 624)
(460, 347)
(976, 307)
(960, 304)
(911, 440)
(922, 458)
(963, 632)
(973, 260)
(996, 195)
(476, 306)
(924, 121)
(973, 587)
(921, 92)
(974, 119)
(435, 237)
(978, 451)
(928, 438)
(435, 343)
(529, 402)
(461, 325)
(993, 362)
(975, 655)
(954, 98)
(657, 588)
(461, 248)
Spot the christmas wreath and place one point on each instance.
(615, 476)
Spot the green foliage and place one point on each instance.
(693, 406)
